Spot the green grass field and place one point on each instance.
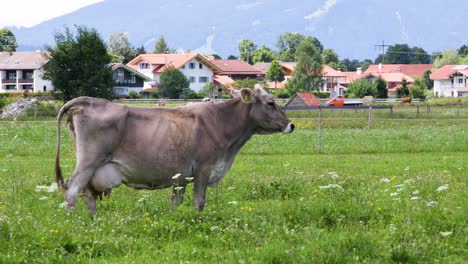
(395, 193)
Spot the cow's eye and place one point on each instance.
(272, 104)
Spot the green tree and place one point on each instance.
(263, 54)
(119, 47)
(381, 88)
(172, 83)
(288, 43)
(403, 54)
(418, 89)
(427, 80)
(307, 74)
(140, 50)
(162, 47)
(329, 56)
(403, 91)
(232, 57)
(246, 50)
(361, 88)
(449, 57)
(79, 65)
(245, 83)
(7, 40)
(275, 72)
(463, 50)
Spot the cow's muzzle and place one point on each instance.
(289, 128)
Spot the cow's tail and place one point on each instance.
(58, 170)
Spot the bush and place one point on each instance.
(361, 88)
(153, 94)
(189, 94)
(321, 94)
(283, 93)
(133, 95)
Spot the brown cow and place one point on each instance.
(154, 148)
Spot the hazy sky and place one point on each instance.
(28, 13)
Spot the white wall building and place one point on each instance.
(195, 67)
(451, 81)
(23, 72)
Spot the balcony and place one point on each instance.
(7, 81)
(26, 81)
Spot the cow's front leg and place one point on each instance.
(199, 188)
(76, 185)
(177, 196)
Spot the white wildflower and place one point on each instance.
(333, 174)
(415, 192)
(231, 188)
(399, 185)
(43, 198)
(431, 203)
(52, 188)
(415, 198)
(448, 233)
(63, 205)
(189, 178)
(175, 177)
(392, 228)
(232, 202)
(394, 194)
(330, 186)
(178, 188)
(442, 188)
(385, 180)
(408, 182)
(407, 168)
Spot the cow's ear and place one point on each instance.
(235, 93)
(247, 95)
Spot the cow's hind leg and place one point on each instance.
(89, 197)
(177, 195)
(76, 185)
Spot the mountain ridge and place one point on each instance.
(351, 28)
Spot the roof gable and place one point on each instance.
(236, 67)
(22, 60)
(116, 66)
(446, 71)
(161, 62)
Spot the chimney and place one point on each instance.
(359, 71)
(380, 67)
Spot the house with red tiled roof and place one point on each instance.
(413, 70)
(198, 69)
(451, 81)
(394, 80)
(22, 71)
(237, 69)
(330, 77)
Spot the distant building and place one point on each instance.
(451, 81)
(127, 79)
(198, 69)
(302, 100)
(22, 71)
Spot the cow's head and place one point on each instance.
(266, 116)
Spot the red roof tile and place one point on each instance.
(444, 72)
(416, 70)
(309, 99)
(223, 80)
(236, 67)
(390, 76)
(162, 61)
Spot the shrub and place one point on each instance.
(133, 95)
(321, 94)
(153, 94)
(283, 93)
(361, 88)
(189, 94)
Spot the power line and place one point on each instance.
(383, 49)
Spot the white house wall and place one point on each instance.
(40, 83)
(445, 88)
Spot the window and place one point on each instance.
(192, 79)
(44, 88)
(460, 80)
(203, 79)
(133, 80)
(120, 75)
(144, 66)
(28, 75)
(191, 65)
(11, 87)
(200, 66)
(12, 76)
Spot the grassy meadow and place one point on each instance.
(395, 193)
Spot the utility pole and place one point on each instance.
(383, 49)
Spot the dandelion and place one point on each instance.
(175, 177)
(442, 188)
(448, 233)
(385, 180)
(331, 186)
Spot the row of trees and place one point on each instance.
(378, 89)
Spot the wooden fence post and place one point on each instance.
(370, 116)
(319, 143)
(417, 110)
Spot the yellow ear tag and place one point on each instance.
(246, 97)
